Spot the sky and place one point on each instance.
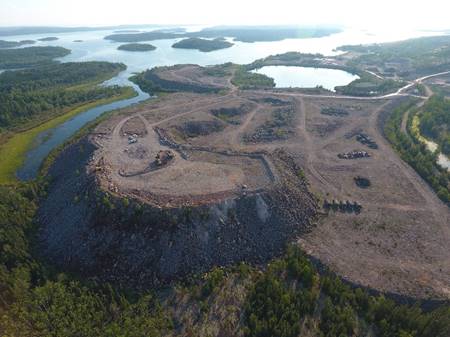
(382, 14)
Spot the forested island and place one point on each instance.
(139, 37)
(266, 33)
(13, 44)
(30, 56)
(137, 47)
(238, 33)
(203, 45)
(47, 39)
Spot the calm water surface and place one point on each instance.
(94, 48)
(301, 77)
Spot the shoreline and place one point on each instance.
(15, 148)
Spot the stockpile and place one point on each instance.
(353, 155)
(342, 206)
(366, 140)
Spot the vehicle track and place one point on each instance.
(438, 210)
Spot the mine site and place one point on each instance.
(243, 172)
(248, 169)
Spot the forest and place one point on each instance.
(292, 298)
(369, 85)
(203, 44)
(238, 33)
(45, 91)
(248, 80)
(409, 59)
(13, 44)
(136, 47)
(30, 56)
(435, 122)
(415, 153)
(288, 298)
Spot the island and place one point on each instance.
(238, 33)
(46, 39)
(30, 56)
(77, 40)
(203, 45)
(13, 44)
(126, 31)
(137, 47)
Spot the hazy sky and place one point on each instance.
(433, 14)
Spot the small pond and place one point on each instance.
(303, 77)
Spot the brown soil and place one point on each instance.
(398, 242)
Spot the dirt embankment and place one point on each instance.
(90, 232)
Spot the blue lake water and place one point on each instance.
(47, 140)
(301, 77)
(94, 47)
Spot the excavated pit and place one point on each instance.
(125, 239)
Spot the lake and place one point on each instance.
(94, 48)
(302, 77)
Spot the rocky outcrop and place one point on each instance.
(96, 234)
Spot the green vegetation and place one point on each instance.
(369, 85)
(291, 58)
(435, 122)
(247, 80)
(12, 44)
(37, 302)
(13, 149)
(366, 85)
(266, 33)
(409, 59)
(290, 299)
(244, 34)
(35, 100)
(40, 93)
(415, 153)
(203, 44)
(219, 70)
(30, 56)
(137, 47)
(139, 37)
(47, 39)
(152, 82)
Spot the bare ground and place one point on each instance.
(398, 243)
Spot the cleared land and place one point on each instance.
(192, 148)
(397, 243)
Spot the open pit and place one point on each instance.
(156, 201)
(127, 162)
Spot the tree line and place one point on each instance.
(416, 154)
(435, 121)
(43, 92)
(291, 299)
